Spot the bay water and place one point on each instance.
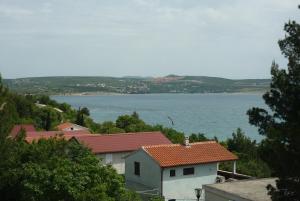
(212, 114)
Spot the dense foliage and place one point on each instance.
(133, 123)
(56, 169)
(281, 125)
(250, 162)
(39, 110)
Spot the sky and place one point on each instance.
(224, 38)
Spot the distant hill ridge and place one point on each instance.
(134, 84)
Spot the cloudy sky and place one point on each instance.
(227, 38)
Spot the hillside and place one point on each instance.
(134, 85)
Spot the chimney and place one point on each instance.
(186, 142)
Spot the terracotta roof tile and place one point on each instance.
(122, 142)
(17, 128)
(197, 153)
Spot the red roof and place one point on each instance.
(107, 143)
(36, 135)
(17, 128)
(197, 153)
(67, 125)
(121, 142)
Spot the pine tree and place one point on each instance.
(281, 124)
(80, 118)
(48, 122)
(8, 114)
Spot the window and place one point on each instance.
(172, 173)
(188, 171)
(108, 158)
(137, 168)
(172, 200)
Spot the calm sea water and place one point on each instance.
(213, 114)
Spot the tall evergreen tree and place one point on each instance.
(85, 111)
(48, 122)
(80, 118)
(281, 124)
(3, 94)
(8, 114)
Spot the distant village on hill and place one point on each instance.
(70, 85)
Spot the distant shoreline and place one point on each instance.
(90, 94)
(125, 94)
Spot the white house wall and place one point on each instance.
(150, 172)
(182, 186)
(115, 159)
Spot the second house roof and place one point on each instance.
(121, 142)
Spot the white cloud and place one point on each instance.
(8, 11)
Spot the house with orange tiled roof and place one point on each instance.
(174, 171)
(67, 126)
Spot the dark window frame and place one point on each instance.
(137, 168)
(172, 173)
(188, 171)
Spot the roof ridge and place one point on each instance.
(79, 132)
(160, 145)
(86, 135)
(130, 133)
(175, 145)
(204, 142)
